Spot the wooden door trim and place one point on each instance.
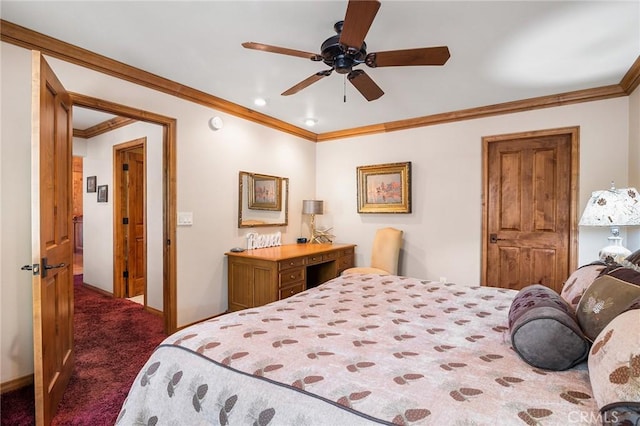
(574, 134)
(118, 215)
(170, 214)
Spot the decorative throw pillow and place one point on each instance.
(580, 279)
(606, 298)
(544, 331)
(634, 258)
(614, 369)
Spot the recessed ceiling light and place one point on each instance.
(310, 122)
(259, 101)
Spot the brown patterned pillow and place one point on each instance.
(606, 298)
(544, 331)
(579, 281)
(634, 258)
(614, 369)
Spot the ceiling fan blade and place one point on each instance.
(307, 82)
(357, 21)
(400, 58)
(281, 50)
(365, 85)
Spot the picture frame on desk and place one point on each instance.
(384, 188)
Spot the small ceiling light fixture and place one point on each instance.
(310, 122)
(215, 123)
(260, 102)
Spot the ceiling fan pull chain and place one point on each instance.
(344, 89)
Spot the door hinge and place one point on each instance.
(125, 220)
(125, 167)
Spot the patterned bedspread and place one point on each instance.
(360, 349)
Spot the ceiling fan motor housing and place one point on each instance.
(341, 57)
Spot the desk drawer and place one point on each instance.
(291, 263)
(347, 252)
(316, 258)
(291, 276)
(345, 262)
(290, 291)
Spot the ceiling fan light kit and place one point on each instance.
(347, 49)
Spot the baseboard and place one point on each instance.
(202, 320)
(153, 311)
(14, 384)
(96, 289)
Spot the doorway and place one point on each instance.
(77, 177)
(530, 185)
(167, 180)
(130, 220)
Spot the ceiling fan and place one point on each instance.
(347, 49)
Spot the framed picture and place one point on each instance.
(265, 192)
(384, 188)
(103, 193)
(91, 183)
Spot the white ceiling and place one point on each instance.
(500, 50)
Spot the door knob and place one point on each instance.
(493, 238)
(46, 267)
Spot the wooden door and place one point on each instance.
(135, 200)
(52, 239)
(130, 247)
(529, 232)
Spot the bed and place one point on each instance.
(359, 349)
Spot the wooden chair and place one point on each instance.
(384, 255)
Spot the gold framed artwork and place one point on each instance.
(384, 188)
(265, 192)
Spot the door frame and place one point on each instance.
(574, 135)
(119, 289)
(169, 184)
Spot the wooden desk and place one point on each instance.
(261, 276)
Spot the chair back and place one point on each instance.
(386, 249)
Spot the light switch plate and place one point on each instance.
(185, 218)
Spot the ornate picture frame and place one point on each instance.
(265, 192)
(384, 188)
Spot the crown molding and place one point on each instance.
(24, 37)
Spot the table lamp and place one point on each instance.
(614, 208)
(312, 207)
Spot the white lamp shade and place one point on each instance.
(312, 206)
(612, 207)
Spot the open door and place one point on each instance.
(52, 238)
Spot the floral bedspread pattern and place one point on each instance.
(359, 349)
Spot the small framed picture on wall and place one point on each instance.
(103, 193)
(91, 184)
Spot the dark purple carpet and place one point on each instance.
(113, 339)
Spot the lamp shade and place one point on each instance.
(612, 207)
(312, 206)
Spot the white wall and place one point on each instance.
(98, 217)
(633, 235)
(16, 334)
(207, 184)
(443, 234)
